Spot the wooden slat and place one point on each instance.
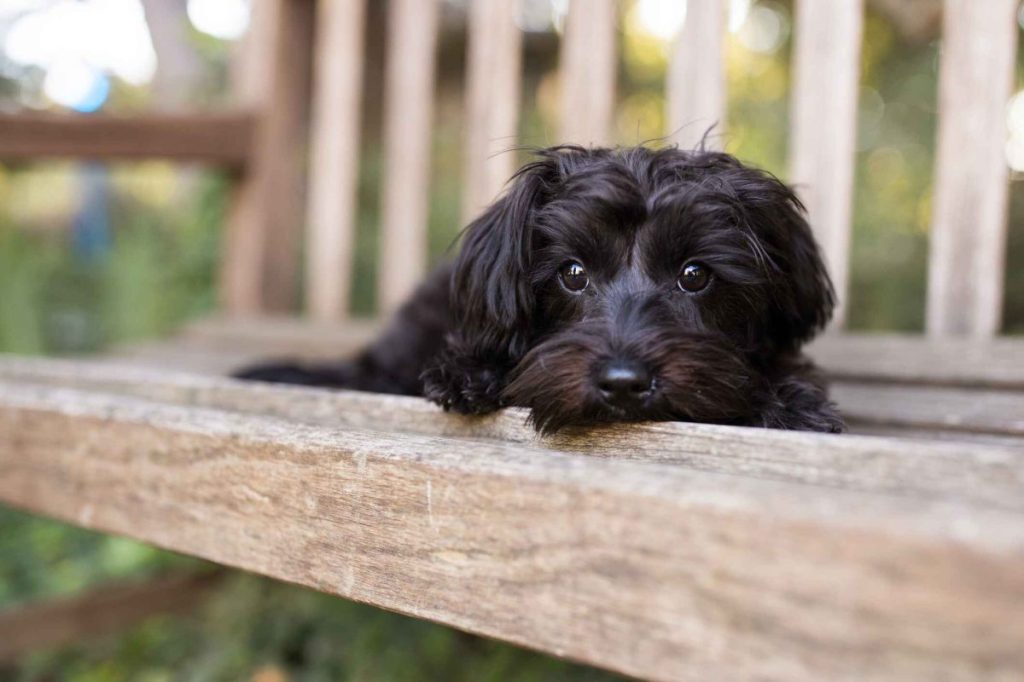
(334, 167)
(696, 90)
(240, 275)
(895, 358)
(219, 346)
(248, 68)
(924, 407)
(409, 109)
(992, 363)
(223, 139)
(493, 75)
(101, 611)
(931, 434)
(897, 385)
(986, 475)
(882, 358)
(968, 235)
(824, 126)
(656, 570)
(589, 63)
(261, 244)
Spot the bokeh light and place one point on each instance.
(661, 18)
(79, 44)
(224, 19)
(764, 29)
(77, 85)
(107, 34)
(1015, 126)
(738, 12)
(535, 16)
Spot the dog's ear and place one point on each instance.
(492, 297)
(802, 295)
(805, 298)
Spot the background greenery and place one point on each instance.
(160, 271)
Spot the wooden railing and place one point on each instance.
(220, 139)
(969, 216)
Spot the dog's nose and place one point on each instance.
(624, 381)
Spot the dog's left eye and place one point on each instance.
(694, 277)
(574, 277)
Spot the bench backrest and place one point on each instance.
(968, 230)
(310, 55)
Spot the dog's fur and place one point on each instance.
(497, 328)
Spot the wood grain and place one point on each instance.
(992, 475)
(907, 358)
(923, 407)
(696, 88)
(261, 267)
(957, 389)
(408, 134)
(588, 69)
(823, 126)
(100, 611)
(656, 570)
(968, 233)
(240, 274)
(334, 157)
(493, 84)
(221, 139)
(894, 358)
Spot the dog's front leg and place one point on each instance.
(799, 402)
(468, 381)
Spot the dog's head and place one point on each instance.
(634, 284)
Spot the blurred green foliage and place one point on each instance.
(42, 559)
(259, 629)
(159, 271)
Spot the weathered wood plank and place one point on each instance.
(408, 134)
(262, 240)
(955, 409)
(219, 345)
(656, 570)
(995, 363)
(223, 139)
(932, 434)
(589, 63)
(912, 359)
(696, 89)
(334, 157)
(992, 475)
(98, 612)
(888, 384)
(968, 233)
(240, 275)
(493, 82)
(823, 126)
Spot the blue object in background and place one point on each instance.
(91, 225)
(96, 96)
(90, 228)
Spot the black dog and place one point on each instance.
(616, 285)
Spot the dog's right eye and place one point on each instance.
(574, 277)
(694, 277)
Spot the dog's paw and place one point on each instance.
(799, 404)
(466, 390)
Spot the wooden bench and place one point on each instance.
(669, 551)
